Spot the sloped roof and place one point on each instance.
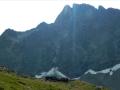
(55, 73)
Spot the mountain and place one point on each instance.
(11, 81)
(82, 37)
(108, 77)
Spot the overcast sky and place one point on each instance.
(22, 15)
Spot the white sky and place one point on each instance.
(22, 15)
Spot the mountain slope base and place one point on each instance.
(10, 81)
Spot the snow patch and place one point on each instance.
(110, 71)
(104, 71)
(116, 67)
(91, 71)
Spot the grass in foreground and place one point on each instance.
(10, 81)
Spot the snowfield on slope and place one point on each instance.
(105, 71)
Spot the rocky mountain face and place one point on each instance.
(81, 37)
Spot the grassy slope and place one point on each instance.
(13, 82)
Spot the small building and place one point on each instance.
(53, 75)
